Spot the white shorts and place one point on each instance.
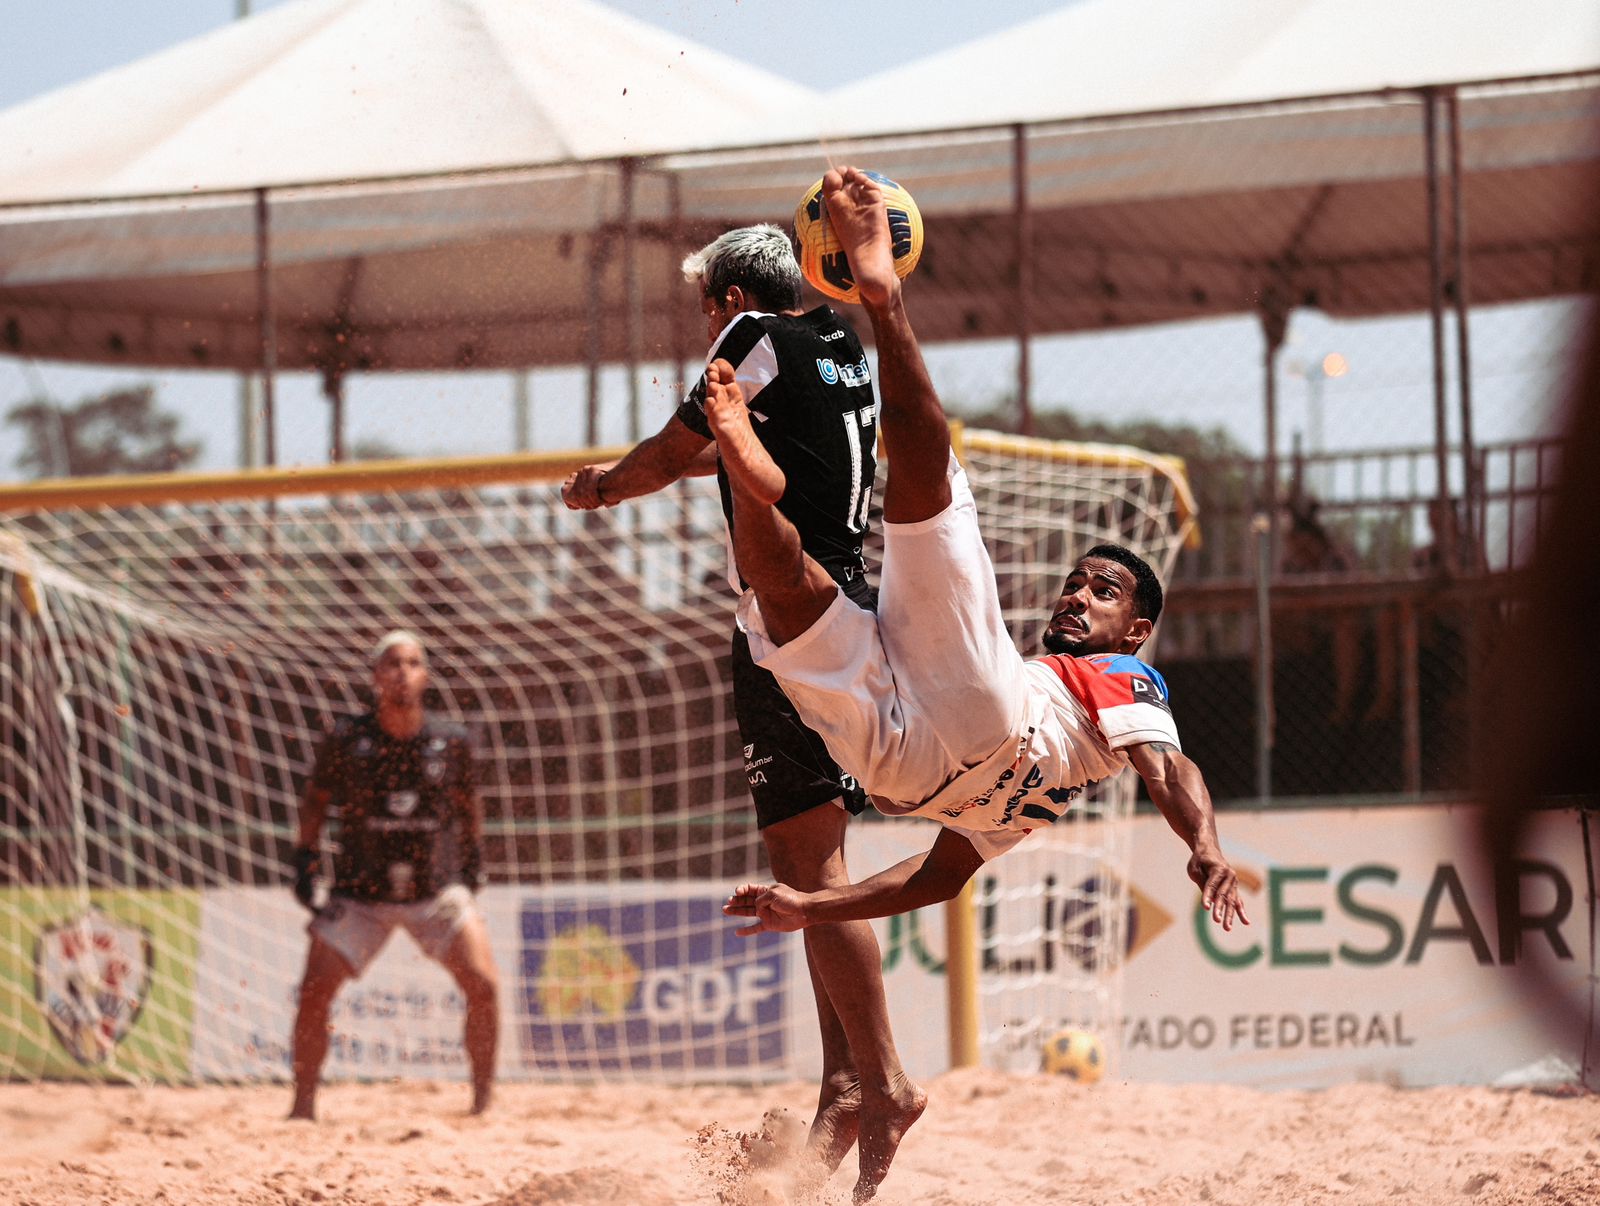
(929, 686)
(357, 929)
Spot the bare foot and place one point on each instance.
(749, 466)
(302, 1111)
(481, 1095)
(884, 1124)
(833, 1130)
(856, 212)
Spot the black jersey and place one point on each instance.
(401, 831)
(805, 380)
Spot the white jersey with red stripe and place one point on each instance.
(1082, 715)
(928, 704)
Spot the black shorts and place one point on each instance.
(786, 764)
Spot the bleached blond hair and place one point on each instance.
(398, 636)
(759, 259)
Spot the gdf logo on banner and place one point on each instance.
(91, 977)
(650, 985)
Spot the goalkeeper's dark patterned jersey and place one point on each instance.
(805, 380)
(399, 807)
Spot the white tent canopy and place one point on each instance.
(332, 90)
(1101, 57)
(496, 210)
(1130, 219)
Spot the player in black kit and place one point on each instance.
(409, 856)
(811, 399)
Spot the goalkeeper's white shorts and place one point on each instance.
(357, 929)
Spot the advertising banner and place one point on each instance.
(659, 984)
(633, 979)
(1380, 948)
(99, 985)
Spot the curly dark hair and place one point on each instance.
(1147, 594)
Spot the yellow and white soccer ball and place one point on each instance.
(1076, 1054)
(823, 261)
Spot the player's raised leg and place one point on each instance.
(792, 589)
(325, 973)
(916, 433)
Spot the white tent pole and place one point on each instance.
(336, 364)
(522, 409)
(1463, 300)
(1441, 431)
(266, 314)
(1024, 252)
(249, 432)
(628, 170)
(1274, 326)
(677, 331)
(591, 435)
(333, 390)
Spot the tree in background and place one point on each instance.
(122, 431)
(373, 448)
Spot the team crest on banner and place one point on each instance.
(91, 978)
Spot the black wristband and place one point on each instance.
(305, 875)
(599, 488)
(472, 867)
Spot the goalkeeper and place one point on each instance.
(926, 701)
(409, 857)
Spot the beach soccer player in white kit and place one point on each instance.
(927, 702)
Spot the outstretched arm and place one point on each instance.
(1179, 791)
(653, 463)
(923, 879)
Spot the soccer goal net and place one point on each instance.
(176, 647)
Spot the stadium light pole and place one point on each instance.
(1023, 225)
(249, 387)
(1317, 371)
(1274, 317)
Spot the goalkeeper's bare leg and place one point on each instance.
(470, 963)
(794, 591)
(325, 973)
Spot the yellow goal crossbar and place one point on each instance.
(371, 477)
(1108, 456)
(367, 477)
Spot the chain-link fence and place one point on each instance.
(1354, 318)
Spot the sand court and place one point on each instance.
(987, 1138)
